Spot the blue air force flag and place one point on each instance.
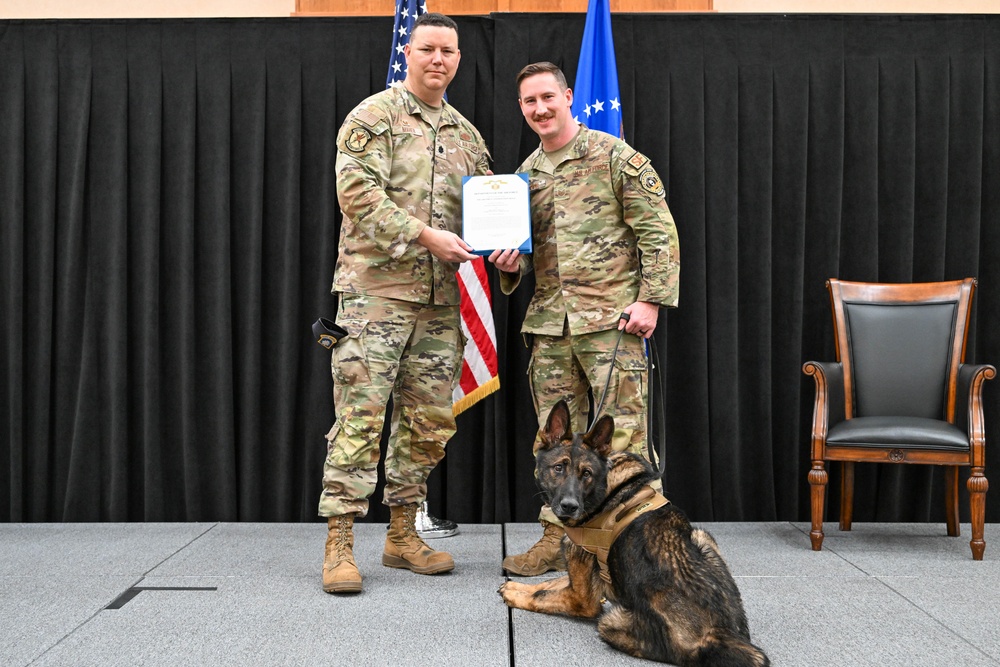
(596, 101)
(407, 12)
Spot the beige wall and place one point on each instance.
(78, 9)
(208, 8)
(861, 6)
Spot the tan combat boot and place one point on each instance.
(405, 549)
(544, 555)
(340, 572)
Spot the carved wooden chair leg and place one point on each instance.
(817, 494)
(977, 504)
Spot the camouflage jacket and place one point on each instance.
(602, 236)
(396, 176)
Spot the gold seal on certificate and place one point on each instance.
(496, 213)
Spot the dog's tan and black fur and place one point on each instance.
(671, 596)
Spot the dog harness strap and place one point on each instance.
(597, 535)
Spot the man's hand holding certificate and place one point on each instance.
(496, 213)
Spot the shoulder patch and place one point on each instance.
(651, 182)
(357, 139)
(638, 160)
(371, 117)
(367, 117)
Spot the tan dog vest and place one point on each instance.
(597, 535)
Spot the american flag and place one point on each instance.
(480, 376)
(407, 12)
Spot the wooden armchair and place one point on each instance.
(900, 392)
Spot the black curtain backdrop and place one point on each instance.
(168, 231)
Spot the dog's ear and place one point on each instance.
(557, 425)
(599, 437)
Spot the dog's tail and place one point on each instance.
(728, 650)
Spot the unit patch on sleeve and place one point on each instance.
(651, 182)
(358, 139)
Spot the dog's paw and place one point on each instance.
(511, 586)
(514, 594)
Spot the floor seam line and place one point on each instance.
(510, 612)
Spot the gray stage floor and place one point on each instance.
(249, 594)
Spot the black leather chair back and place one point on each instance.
(901, 356)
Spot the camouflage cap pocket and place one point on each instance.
(630, 369)
(629, 362)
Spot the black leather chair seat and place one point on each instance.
(902, 432)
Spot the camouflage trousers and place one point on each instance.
(568, 367)
(412, 353)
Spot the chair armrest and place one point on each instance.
(969, 406)
(828, 406)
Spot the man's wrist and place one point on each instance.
(424, 234)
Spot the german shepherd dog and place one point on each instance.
(672, 598)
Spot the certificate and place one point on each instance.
(496, 213)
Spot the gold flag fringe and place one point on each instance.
(482, 391)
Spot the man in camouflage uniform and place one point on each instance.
(604, 243)
(401, 156)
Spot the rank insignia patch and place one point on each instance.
(651, 182)
(358, 139)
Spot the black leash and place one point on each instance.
(651, 365)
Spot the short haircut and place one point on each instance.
(434, 19)
(541, 68)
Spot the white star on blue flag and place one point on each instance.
(597, 74)
(406, 13)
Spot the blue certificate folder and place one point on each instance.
(496, 213)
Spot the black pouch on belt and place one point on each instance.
(327, 333)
